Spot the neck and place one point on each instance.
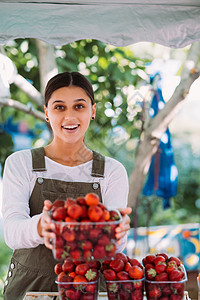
(69, 154)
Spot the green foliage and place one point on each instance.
(5, 255)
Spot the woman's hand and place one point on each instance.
(45, 226)
(124, 226)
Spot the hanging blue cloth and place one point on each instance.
(162, 177)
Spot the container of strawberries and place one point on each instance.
(124, 278)
(165, 277)
(85, 228)
(77, 280)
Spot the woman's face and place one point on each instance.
(69, 111)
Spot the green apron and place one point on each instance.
(33, 269)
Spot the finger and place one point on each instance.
(125, 228)
(120, 235)
(47, 243)
(47, 205)
(125, 211)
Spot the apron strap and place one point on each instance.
(38, 161)
(98, 165)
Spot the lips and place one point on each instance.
(71, 127)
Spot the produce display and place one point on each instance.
(85, 228)
(124, 278)
(165, 277)
(77, 280)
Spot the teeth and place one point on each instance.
(70, 126)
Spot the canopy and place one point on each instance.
(173, 23)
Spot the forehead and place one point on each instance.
(69, 93)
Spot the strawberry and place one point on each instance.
(84, 212)
(171, 265)
(92, 199)
(112, 296)
(164, 255)
(150, 273)
(175, 297)
(68, 266)
(109, 274)
(91, 288)
(59, 253)
(94, 264)
(158, 259)
(161, 277)
(57, 203)
(59, 242)
(153, 292)
(122, 275)
(69, 201)
(86, 225)
(117, 265)
(75, 254)
(137, 295)
(99, 252)
(68, 235)
(71, 220)
(103, 240)
(177, 260)
(127, 267)
(62, 277)
(81, 269)
(137, 284)
(95, 233)
(175, 275)
(95, 213)
(113, 287)
(91, 275)
(127, 286)
(114, 216)
(150, 258)
(123, 295)
(58, 268)
(178, 288)
(81, 200)
(134, 262)
(74, 211)
(71, 245)
(86, 245)
(166, 291)
(136, 272)
(87, 254)
(110, 250)
(106, 215)
(72, 274)
(88, 297)
(122, 257)
(79, 278)
(160, 267)
(59, 214)
(80, 236)
(73, 294)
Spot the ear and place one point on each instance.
(94, 107)
(46, 111)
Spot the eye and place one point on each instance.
(79, 106)
(59, 107)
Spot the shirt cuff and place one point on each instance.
(34, 223)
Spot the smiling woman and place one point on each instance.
(64, 168)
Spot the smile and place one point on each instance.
(70, 128)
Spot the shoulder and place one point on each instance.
(113, 165)
(19, 157)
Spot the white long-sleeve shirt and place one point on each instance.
(20, 230)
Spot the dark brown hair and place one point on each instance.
(68, 79)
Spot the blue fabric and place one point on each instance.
(165, 184)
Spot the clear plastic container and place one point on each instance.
(78, 290)
(165, 289)
(198, 284)
(125, 289)
(85, 240)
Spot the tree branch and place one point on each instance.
(17, 105)
(158, 125)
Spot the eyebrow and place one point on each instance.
(77, 100)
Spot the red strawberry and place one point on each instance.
(81, 200)
(123, 295)
(160, 267)
(164, 255)
(136, 272)
(137, 284)
(114, 216)
(95, 233)
(109, 274)
(91, 288)
(122, 275)
(95, 213)
(69, 201)
(94, 264)
(149, 266)
(171, 265)
(75, 254)
(68, 266)
(84, 212)
(150, 274)
(127, 286)
(59, 214)
(154, 292)
(87, 254)
(86, 245)
(57, 203)
(71, 220)
(150, 258)
(59, 253)
(92, 199)
(68, 235)
(79, 278)
(177, 260)
(162, 277)
(71, 245)
(127, 267)
(81, 269)
(62, 277)
(175, 297)
(175, 275)
(72, 274)
(74, 211)
(73, 294)
(178, 288)
(166, 291)
(106, 215)
(117, 265)
(86, 225)
(58, 268)
(99, 252)
(88, 297)
(158, 259)
(59, 242)
(122, 257)
(134, 262)
(91, 274)
(80, 236)
(112, 287)
(137, 295)
(110, 250)
(103, 240)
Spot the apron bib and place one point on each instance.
(32, 269)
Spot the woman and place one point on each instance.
(64, 168)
